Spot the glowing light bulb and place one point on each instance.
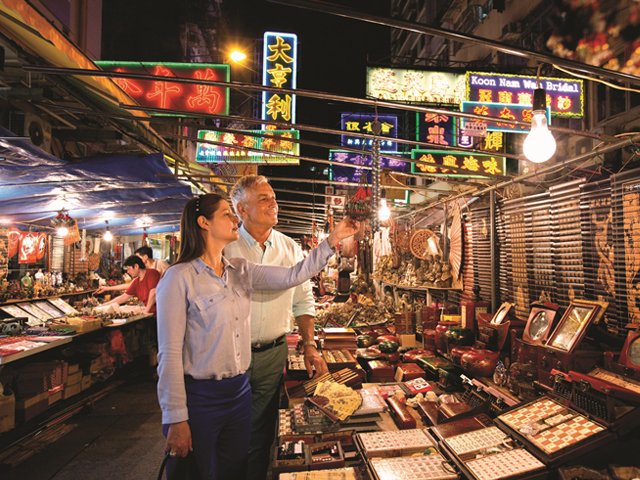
(539, 146)
(62, 231)
(384, 213)
(107, 236)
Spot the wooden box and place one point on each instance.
(463, 425)
(7, 411)
(338, 359)
(298, 464)
(400, 414)
(74, 378)
(581, 361)
(55, 394)
(86, 382)
(380, 371)
(431, 365)
(409, 371)
(325, 455)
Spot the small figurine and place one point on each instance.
(39, 276)
(27, 281)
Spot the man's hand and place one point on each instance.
(313, 359)
(346, 228)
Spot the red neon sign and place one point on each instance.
(189, 98)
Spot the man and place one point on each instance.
(146, 254)
(255, 203)
(143, 285)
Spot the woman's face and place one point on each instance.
(224, 224)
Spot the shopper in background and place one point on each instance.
(204, 306)
(271, 312)
(143, 285)
(146, 254)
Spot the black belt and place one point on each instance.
(261, 347)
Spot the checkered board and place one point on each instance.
(566, 434)
(504, 464)
(476, 440)
(534, 412)
(427, 467)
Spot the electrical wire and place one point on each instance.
(617, 87)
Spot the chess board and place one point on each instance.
(426, 467)
(566, 434)
(504, 464)
(530, 413)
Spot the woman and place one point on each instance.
(204, 339)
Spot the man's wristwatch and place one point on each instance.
(309, 342)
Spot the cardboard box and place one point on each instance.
(74, 378)
(72, 390)
(55, 394)
(7, 411)
(27, 408)
(73, 368)
(408, 340)
(86, 382)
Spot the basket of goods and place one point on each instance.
(359, 206)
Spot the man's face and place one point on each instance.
(133, 270)
(259, 206)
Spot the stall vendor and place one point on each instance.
(143, 285)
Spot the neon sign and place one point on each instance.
(233, 151)
(564, 96)
(507, 111)
(472, 162)
(188, 98)
(436, 128)
(415, 85)
(279, 69)
(362, 123)
(350, 174)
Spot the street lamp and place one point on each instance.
(237, 56)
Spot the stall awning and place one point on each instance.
(126, 190)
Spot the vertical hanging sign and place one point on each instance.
(279, 69)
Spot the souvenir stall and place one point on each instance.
(451, 358)
(65, 229)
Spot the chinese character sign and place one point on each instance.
(354, 123)
(415, 85)
(436, 128)
(233, 151)
(188, 98)
(279, 68)
(564, 96)
(508, 111)
(350, 174)
(473, 163)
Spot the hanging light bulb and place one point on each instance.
(62, 231)
(539, 146)
(107, 235)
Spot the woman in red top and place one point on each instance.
(143, 285)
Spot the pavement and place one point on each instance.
(121, 438)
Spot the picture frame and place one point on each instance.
(539, 325)
(574, 324)
(36, 312)
(502, 313)
(63, 306)
(48, 308)
(17, 312)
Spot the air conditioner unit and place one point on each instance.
(25, 124)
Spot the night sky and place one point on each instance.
(333, 52)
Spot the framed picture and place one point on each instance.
(501, 314)
(35, 311)
(17, 312)
(63, 306)
(539, 325)
(574, 324)
(630, 354)
(48, 308)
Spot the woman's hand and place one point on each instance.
(100, 290)
(178, 440)
(346, 228)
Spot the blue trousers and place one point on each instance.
(220, 422)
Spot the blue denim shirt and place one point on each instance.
(203, 320)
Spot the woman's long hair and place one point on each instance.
(192, 243)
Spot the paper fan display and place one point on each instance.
(424, 243)
(455, 243)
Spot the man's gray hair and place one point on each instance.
(239, 190)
